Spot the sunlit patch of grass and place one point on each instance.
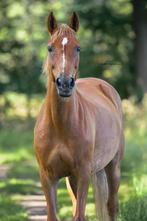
(64, 202)
(124, 192)
(90, 211)
(65, 212)
(15, 186)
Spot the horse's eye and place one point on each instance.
(50, 48)
(78, 49)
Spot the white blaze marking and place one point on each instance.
(64, 42)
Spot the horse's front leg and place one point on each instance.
(82, 190)
(49, 188)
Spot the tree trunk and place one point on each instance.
(140, 26)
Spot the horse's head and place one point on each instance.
(63, 54)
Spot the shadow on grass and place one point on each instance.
(23, 170)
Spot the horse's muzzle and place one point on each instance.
(64, 85)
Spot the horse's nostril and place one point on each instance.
(72, 82)
(58, 82)
(65, 83)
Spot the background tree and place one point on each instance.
(111, 44)
(107, 36)
(140, 27)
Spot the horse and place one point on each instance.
(79, 130)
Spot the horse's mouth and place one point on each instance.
(65, 93)
(64, 85)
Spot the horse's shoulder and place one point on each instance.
(110, 93)
(104, 87)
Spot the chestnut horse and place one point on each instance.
(79, 132)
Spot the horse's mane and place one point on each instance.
(61, 31)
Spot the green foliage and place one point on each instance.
(136, 137)
(106, 36)
(20, 42)
(111, 44)
(134, 209)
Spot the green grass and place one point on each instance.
(16, 150)
(135, 209)
(10, 210)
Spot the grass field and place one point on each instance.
(16, 151)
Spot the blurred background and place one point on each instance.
(113, 38)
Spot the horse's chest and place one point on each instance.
(60, 162)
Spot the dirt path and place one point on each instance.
(3, 171)
(34, 205)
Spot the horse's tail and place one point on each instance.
(100, 187)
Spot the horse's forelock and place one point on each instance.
(62, 31)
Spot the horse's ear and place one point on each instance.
(52, 23)
(74, 21)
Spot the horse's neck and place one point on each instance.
(61, 112)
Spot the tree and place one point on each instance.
(20, 46)
(111, 44)
(107, 39)
(140, 27)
